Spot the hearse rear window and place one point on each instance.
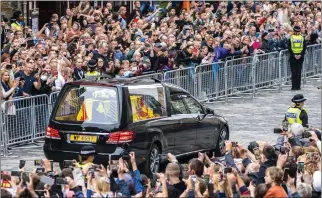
(147, 102)
(89, 104)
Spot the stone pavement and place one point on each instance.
(249, 119)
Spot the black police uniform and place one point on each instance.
(296, 64)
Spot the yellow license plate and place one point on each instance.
(83, 138)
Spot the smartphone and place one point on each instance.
(194, 178)
(256, 153)
(40, 170)
(300, 167)
(286, 173)
(55, 73)
(68, 163)
(234, 144)
(290, 158)
(25, 177)
(21, 79)
(40, 193)
(157, 188)
(50, 25)
(22, 164)
(163, 157)
(47, 180)
(206, 178)
(278, 130)
(284, 150)
(228, 170)
(19, 63)
(96, 166)
(92, 171)
(271, 30)
(16, 173)
(8, 67)
(60, 181)
(38, 162)
(113, 164)
(221, 176)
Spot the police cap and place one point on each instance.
(87, 151)
(296, 28)
(92, 63)
(298, 98)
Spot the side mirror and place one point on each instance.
(210, 111)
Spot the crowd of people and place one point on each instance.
(290, 168)
(113, 42)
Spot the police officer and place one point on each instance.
(297, 48)
(86, 157)
(92, 73)
(296, 113)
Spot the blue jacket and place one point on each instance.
(220, 53)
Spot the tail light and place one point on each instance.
(120, 137)
(52, 133)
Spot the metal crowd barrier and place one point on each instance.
(209, 81)
(266, 72)
(309, 67)
(52, 99)
(24, 120)
(182, 77)
(238, 76)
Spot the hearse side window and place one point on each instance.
(89, 104)
(177, 105)
(193, 106)
(147, 102)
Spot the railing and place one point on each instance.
(25, 119)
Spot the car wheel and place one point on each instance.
(223, 135)
(153, 163)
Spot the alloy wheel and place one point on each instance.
(154, 160)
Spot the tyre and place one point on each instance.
(152, 164)
(223, 135)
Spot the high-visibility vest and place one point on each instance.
(293, 115)
(17, 26)
(79, 165)
(297, 42)
(92, 75)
